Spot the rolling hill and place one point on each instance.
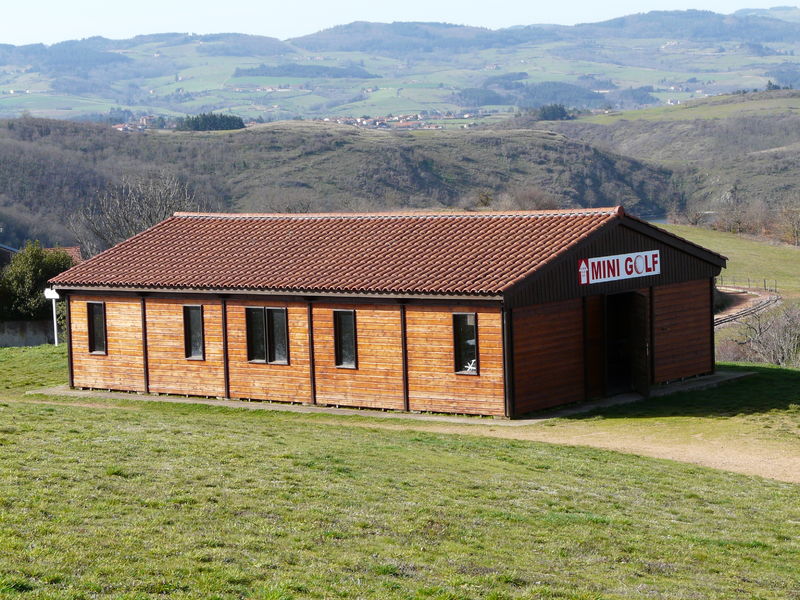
(48, 169)
(404, 67)
(744, 147)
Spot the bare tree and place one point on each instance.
(126, 209)
(772, 337)
(789, 220)
(731, 211)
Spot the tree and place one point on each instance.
(24, 279)
(789, 221)
(124, 210)
(210, 122)
(553, 112)
(773, 337)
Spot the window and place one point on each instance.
(96, 313)
(267, 335)
(465, 343)
(344, 336)
(277, 336)
(256, 335)
(193, 332)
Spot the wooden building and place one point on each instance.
(480, 313)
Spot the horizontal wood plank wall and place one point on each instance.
(432, 383)
(170, 371)
(378, 380)
(548, 355)
(121, 368)
(682, 330)
(281, 383)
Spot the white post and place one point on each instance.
(55, 323)
(51, 294)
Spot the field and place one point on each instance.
(171, 74)
(709, 108)
(750, 258)
(131, 499)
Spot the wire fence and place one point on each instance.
(752, 283)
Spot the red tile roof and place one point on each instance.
(380, 253)
(74, 252)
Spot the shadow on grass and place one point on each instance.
(769, 389)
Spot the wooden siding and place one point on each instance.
(170, 371)
(281, 383)
(548, 355)
(122, 367)
(559, 280)
(682, 330)
(378, 380)
(432, 383)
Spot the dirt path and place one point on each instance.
(743, 302)
(745, 456)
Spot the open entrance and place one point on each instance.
(627, 328)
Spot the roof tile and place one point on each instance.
(391, 253)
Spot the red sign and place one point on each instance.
(620, 266)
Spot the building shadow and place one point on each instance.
(766, 389)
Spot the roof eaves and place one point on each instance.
(82, 265)
(702, 253)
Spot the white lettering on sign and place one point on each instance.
(620, 266)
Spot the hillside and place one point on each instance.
(49, 168)
(745, 146)
(403, 67)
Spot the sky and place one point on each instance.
(50, 21)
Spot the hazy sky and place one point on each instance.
(51, 21)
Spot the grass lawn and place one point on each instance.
(752, 258)
(131, 499)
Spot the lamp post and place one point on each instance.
(51, 294)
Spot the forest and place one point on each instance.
(50, 169)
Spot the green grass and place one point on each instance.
(145, 500)
(710, 108)
(756, 259)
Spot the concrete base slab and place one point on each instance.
(697, 383)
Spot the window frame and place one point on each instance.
(456, 367)
(337, 340)
(90, 328)
(268, 341)
(270, 346)
(247, 311)
(187, 342)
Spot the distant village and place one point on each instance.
(404, 122)
(422, 120)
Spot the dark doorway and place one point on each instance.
(627, 343)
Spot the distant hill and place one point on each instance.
(411, 37)
(694, 25)
(375, 69)
(746, 145)
(785, 13)
(48, 169)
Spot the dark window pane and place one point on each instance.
(466, 343)
(278, 342)
(193, 331)
(97, 327)
(256, 334)
(344, 325)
